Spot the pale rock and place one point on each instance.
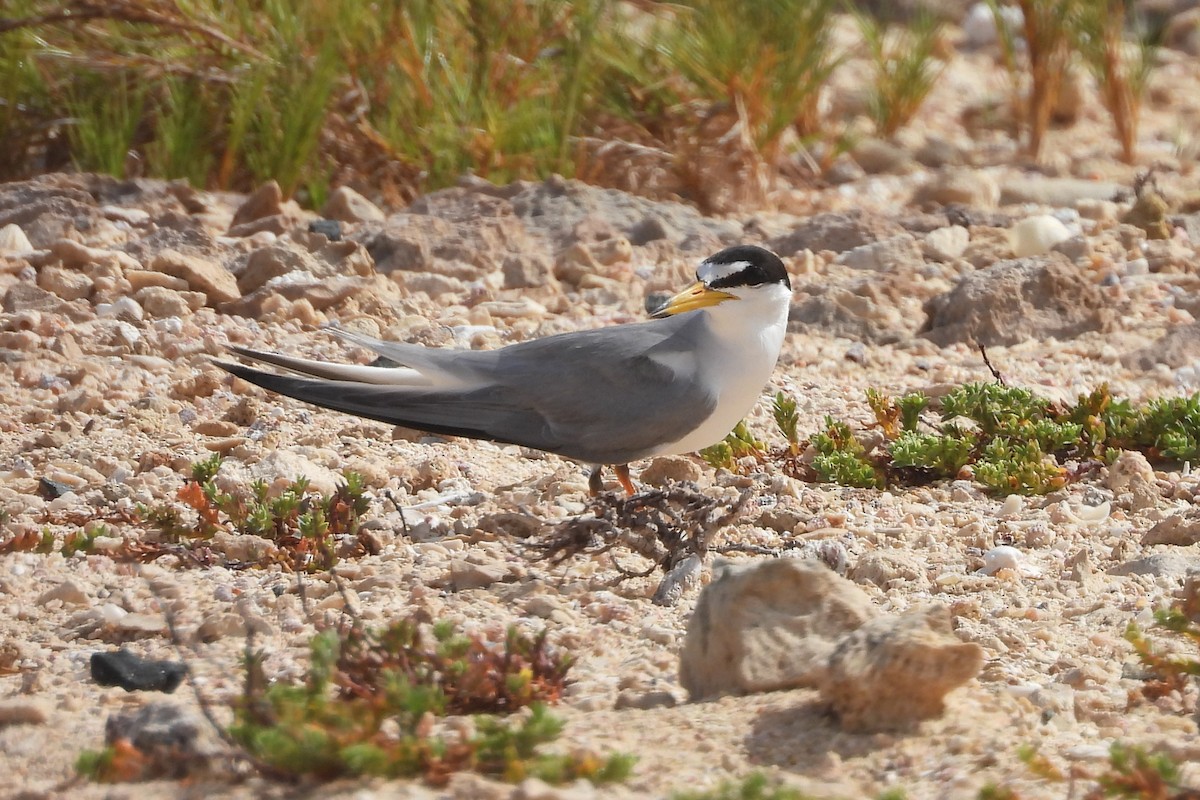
(280, 467)
(946, 244)
(347, 205)
(770, 624)
(200, 274)
(1181, 529)
(266, 201)
(1034, 236)
(20, 710)
(130, 216)
(142, 278)
(965, 187)
(889, 569)
(528, 271)
(66, 283)
(1014, 301)
(525, 307)
(13, 240)
(895, 671)
(220, 626)
(159, 301)
(125, 309)
(670, 469)
(1054, 192)
(897, 253)
(465, 574)
(243, 547)
(1007, 557)
(979, 25)
(1160, 565)
(879, 156)
(1132, 481)
(431, 283)
(67, 592)
(537, 789)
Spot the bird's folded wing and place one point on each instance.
(360, 373)
(476, 414)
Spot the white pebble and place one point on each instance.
(13, 240)
(1007, 557)
(1034, 236)
(1012, 505)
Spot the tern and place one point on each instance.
(673, 384)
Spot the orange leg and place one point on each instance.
(622, 471)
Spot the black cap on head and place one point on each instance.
(743, 265)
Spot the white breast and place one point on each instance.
(747, 335)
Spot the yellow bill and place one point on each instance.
(696, 296)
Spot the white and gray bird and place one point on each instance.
(674, 384)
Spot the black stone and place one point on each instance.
(134, 673)
(331, 228)
(51, 490)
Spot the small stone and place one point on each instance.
(331, 229)
(160, 302)
(467, 575)
(66, 592)
(66, 283)
(266, 201)
(219, 626)
(670, 469)
(946, 244)
(141, 278)
(13, 240)
(215, 427)
(889, 569)
(347, 205)
(24, 711)
(136, 674)
(644, 700)
(966, 187)
(1004, 557)
(201, 275)
(897, 253)
(125, 309)
(879, 156)
(243, 547)
(1034, 236)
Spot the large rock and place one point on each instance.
(1178, 347)
(895, 671)
(768, 625)
(1054, 192)
(1012, 301)
(1181, 528)
(879, 309)
(836, 232)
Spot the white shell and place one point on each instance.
(1006, 557)
(1034, 236)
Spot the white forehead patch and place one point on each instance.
(709, 271)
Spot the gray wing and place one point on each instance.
(609, 395)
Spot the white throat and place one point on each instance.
(747, 335)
